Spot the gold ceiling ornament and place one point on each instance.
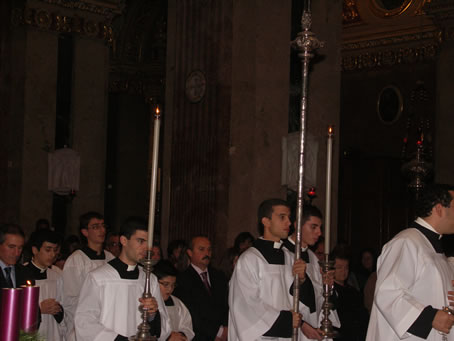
(43, 19)
(350, 12)
(106, 8)
(387, 58)
(389, 8)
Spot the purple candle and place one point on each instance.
(9, 314)
(29, 311)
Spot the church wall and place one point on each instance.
(444, 162)
(89, 125)
(39, 125)
(259, 118)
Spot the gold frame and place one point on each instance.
(384, 13)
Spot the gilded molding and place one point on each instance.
(350, 12)
(384, 42)
(55, 22)
(370, 60)
(104, 9)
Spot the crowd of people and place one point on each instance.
(91, 288)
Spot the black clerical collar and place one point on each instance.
(169, 302)
(92, 253)
(36, 272)
(433, 237)
(122, 269)
(290, 245)
(270, 250)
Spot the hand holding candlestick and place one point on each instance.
(148, 305)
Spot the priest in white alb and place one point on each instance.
(414, 275)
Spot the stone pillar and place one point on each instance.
(39, 125)
(90, 93)
(259, 113)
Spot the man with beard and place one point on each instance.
(204, 291)
(81, 262)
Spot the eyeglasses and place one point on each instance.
(97, 226)
(168, 285)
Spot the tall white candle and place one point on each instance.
(329, 159)
(154, 175)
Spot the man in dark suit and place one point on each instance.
(12, 275)
(204, 290)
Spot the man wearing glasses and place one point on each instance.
(81, 262)
(108, 307)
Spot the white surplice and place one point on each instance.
(109, 305)
(313, 273)
(258, 293)
(76, 268)
(51, 287)
(180, 318)
(410, 277)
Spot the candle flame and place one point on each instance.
(157, 111)
(330, 130)
(29, 283)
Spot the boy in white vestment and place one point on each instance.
(108, 307)
(260, 306)
(81, 262)
(414, 276)
(44, 247)
(311, 298)
(180, 318)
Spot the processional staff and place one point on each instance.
(305, 43)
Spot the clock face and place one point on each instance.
(195, 86)
(388, 8)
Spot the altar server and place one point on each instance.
(260, 306)
(108, 307)
(180, 318)
(414, 276)
(81, 262)
(311, 291)
(44, 247)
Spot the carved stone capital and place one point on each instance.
(44, 19)
(106, 8)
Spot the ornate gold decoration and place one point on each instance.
(396, 40)
(107, 9)
(350, 12)
(388, 58)
(379, 11)
(44, 20)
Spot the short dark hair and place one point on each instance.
(85, 218)
(164, 268)
(41, 236)
(175, 244)
(431, 196)
(266, 210)
(191, 241)
(241, 238)
(131, 225)
(10, 229)
(340, 251)
(308, 212)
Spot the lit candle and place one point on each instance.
(9, 314)
(154, 172)
(329, 159)
(30, 304)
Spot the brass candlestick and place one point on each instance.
(326, 326)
